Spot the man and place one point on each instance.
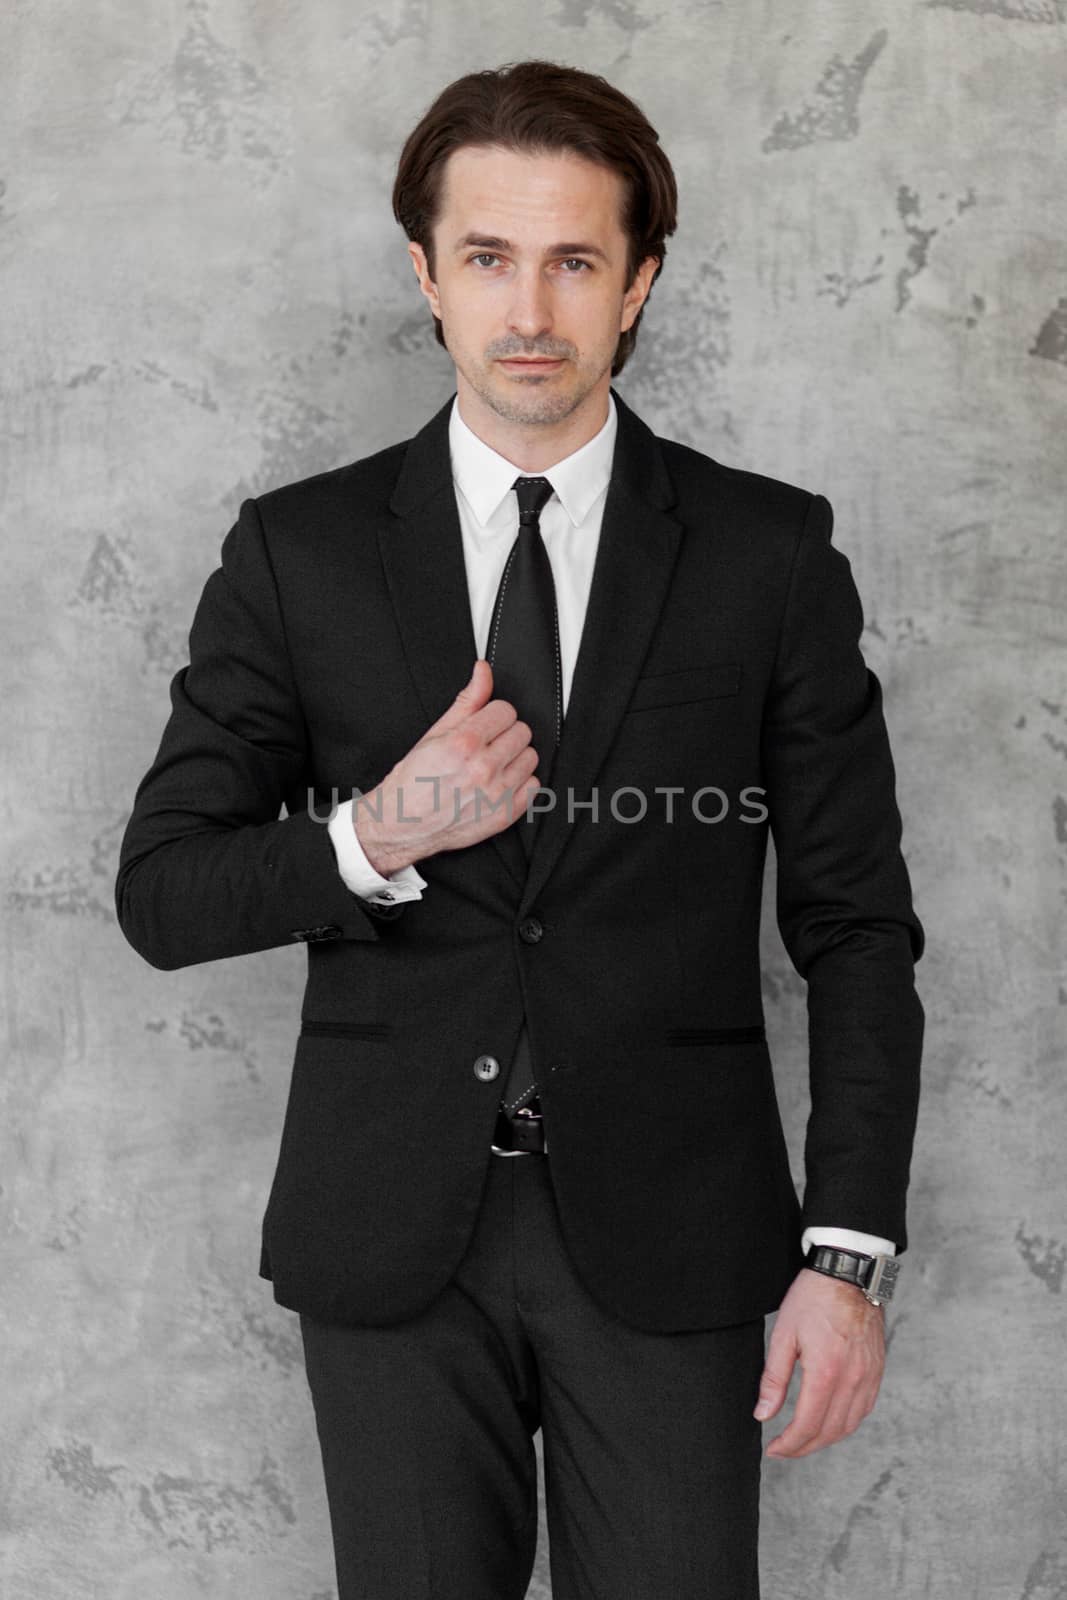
(565, 674)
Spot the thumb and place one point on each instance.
(774, 1383)
(474, 694)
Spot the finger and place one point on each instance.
(777, 1371)
(511, 741)
(813, 1402)
(515, 773)
(519, 786)
(849, 1399)
(834, 1423)
(474, 694)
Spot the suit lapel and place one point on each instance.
(422, 555)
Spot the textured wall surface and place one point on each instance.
(205, 295)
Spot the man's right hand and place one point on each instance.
(476, 764)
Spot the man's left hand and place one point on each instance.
(839, 1338)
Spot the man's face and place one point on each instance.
(531, 261)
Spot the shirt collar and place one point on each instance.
(485, 476)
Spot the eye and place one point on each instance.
(486, 255)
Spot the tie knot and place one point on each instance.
(532, 494)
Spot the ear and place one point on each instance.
(637, 293)
(422, 272)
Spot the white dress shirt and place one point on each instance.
(570, 527)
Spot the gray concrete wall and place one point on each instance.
(204, 295)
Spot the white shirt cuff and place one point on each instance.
(868, 1244)
(356, 871)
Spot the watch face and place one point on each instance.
(883, 1277)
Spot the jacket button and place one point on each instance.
(486, 1068)
(530, 930)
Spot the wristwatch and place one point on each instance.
(875, 1275)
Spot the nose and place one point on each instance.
(530, 311)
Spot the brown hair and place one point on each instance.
(536, 107)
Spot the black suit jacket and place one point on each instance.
(720, 648)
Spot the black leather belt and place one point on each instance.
(523, 1134)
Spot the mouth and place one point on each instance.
(535, 365)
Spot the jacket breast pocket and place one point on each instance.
(686, 686)
(310, 1028)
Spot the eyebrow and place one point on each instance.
(486, 241)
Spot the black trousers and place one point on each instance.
(651, 1454)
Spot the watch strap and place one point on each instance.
(876, 1275)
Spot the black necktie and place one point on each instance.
(523, 646)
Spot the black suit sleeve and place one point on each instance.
(844, 898)
(208, 868)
